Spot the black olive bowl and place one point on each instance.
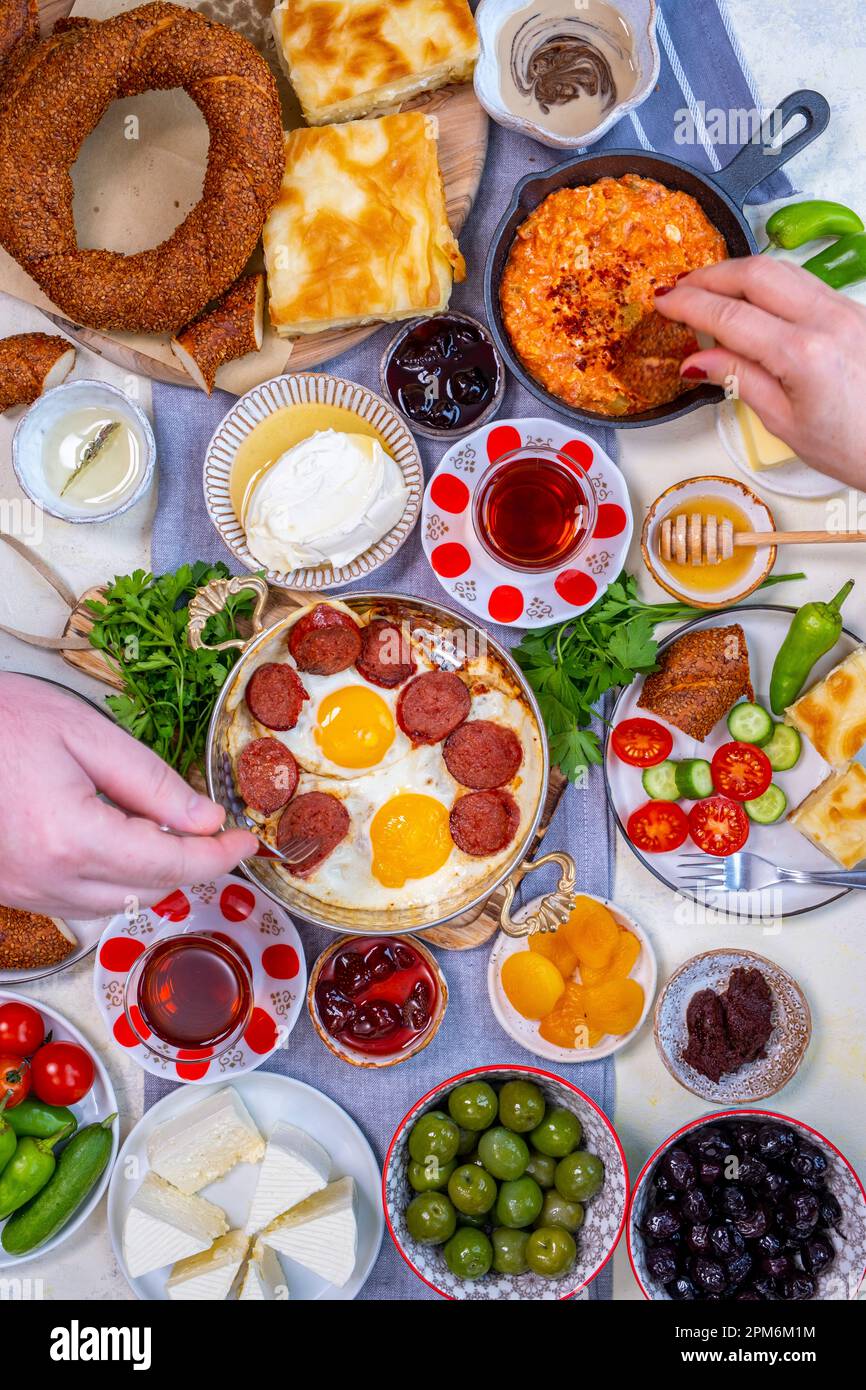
(842, 1223)
(721, 196)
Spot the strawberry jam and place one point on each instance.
(377, 995)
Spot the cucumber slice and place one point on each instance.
(767, 808)
(660, 782)
(784, 747)
(694, 779)
(750, 723)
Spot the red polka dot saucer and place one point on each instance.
(259, 930)
(475, 578)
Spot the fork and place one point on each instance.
(294, 851)
(748, 873)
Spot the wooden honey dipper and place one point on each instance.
(707, 540)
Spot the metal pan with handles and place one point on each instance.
(721, 196)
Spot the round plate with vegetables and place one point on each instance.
(58, 1129)
(674, 794)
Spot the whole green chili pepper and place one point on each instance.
(797, 223)
(843, 263)
(34, 1117)
(8, 1137)
(814, 629)
(27, 1171)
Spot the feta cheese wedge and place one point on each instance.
(263, 1277)
(294, 1167)
(211, 1274)
(321, 1233)
(163, 1225)
(204, 1142)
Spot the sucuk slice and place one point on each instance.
(274, 695)
(313, 816)
(482, 754)
(432, 706)
(483, 823)
(325, 641)
(386, 657)
(267, 775)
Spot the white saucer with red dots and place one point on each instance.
(253, 924)
(492, 590)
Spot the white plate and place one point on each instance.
(525, 1030)
(765, 627)
(98, 1104)
(794, 479)
(86, 934)
(268, 1098)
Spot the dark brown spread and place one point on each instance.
(559, 68)
(730, 1028)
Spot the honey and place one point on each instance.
(727, 574)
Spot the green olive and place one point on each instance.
(558, 1133)
(473, 1105)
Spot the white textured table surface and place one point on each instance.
(789, 44)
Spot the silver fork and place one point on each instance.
(293, 852)
(748, 873)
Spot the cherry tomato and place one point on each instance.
(658, 826)
(21, 1029)
(15, 1078)
(62, 1073)
(641, 742)
(741, 771)
(718, 826)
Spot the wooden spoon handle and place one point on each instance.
(755, 538)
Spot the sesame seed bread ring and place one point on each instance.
(53, 96)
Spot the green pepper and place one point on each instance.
(814, 629)
(8, 1137)
(843, 263)
(797, 223)
(27, 1171)
(34, 1117)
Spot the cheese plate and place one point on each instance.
(271, 1104)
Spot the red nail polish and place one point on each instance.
(662, 289)
(694, 373)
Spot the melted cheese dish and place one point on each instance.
(349, 58)
(832, 714)
(359, 231)
(577, 292)
(833, 816)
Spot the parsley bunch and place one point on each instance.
(572, 665)
(169, 690)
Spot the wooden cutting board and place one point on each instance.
(463, 128)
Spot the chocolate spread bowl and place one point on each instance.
(452, 633)
(721, 197)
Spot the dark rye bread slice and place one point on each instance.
(700, 677)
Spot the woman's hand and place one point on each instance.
(65, 851)
(792, 348)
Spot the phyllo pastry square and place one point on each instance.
(359, 232)
(833, 816)
(349, 58)
(832, 714)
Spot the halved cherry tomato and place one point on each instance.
(658, 826)
(15, 1078)
(741, 771)
(641, 742)
(21, 1028)
(718, 826)
(62, 1073)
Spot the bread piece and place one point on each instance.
(29, 941)
(360, 232)
(350, 58)
(833, 816)
(700, 677)
(231, 329)
(832, 715)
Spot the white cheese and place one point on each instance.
(211, 1274)
(163, 1225)
(203, 1143)
(321, 1234)
(294, 1167)
(263, 1279)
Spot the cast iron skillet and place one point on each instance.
(721, 197)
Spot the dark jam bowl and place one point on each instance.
(479, 355)
(360, 1057)
(839, 1280)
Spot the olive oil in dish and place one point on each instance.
(92, 458)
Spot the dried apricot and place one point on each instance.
(620, 965)
(592, 932)
(532, 983)
(614, 1006)
(566, 1025)
(554, 945)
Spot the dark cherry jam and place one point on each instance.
(377, 996)
(444, 373)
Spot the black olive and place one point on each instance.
(660, 1223)
(745, 1135)
(662, 1181)
(753, 1223)
(800, 1212)
(708, 1275)
(798, 1288)
(816, 1253)
(681, 1288)
(734, 1200)
(739, 1267)
(694, 1205)
(709, 1172)
(662, 1263)
(778, 1266)
(764, 1286)
(770, 1244)
(698, 1237)
(710, 1142)
(726, 1240)
(831, 1212)
(679, 1167)
(775, 1185)
(775, 1141)
(752, 1170)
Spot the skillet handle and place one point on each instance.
(760, 158)
(554, 908)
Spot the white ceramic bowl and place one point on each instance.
(795, 479)
(605, 1214)
(312, 388)
(491, 15)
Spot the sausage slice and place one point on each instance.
(482, 754)
(483, 823)
(267, 775)
(274, 695)
(431, 706)
(386, 657)
(315, 816)
(325, 641)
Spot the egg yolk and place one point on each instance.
(354, 727)
(410, 838)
